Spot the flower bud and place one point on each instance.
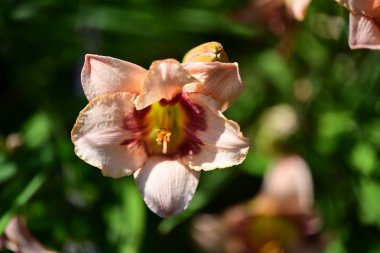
(207, 52)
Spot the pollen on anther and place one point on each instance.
(163, 138)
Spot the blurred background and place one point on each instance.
(306, 94)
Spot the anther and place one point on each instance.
(163, 137)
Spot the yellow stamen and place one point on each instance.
(163, 137)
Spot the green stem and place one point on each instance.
(22, 199)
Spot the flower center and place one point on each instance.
(167, 120)
(167, 127)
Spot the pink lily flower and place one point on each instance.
(364, 23)
(18, 238)
(279, 219)
(276, 15)
(163, 125)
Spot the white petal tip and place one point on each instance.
(166, 185)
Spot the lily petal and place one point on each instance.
(19, 239)
(219, 80)
(298, 8)
(99, 136)
(364, 33)
(290, 183)
(369, 8)
(103, 74)
(167, 185)
(223, 145)
(164, 80)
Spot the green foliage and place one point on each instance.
(126, 221)
(37, 130)
(364, 158)
(336, 247)
(368, 194)
(8, 169)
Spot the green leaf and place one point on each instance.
(335, 246)
(364, 158)
(127, 221)
(310, 49)
(7, 170)
(22, 199)
(274, 67)
(256, 163)
(334, 123)
(369, 195)
(331, 125)
(372, 129)
(37, 130)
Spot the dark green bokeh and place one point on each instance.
(71, 207)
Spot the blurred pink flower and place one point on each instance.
(276, 15)
(297, 8)
(279, 219)
(364, 23)
(164, 125)
(289, 183)
(17, 238)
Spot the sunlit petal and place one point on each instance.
(364, 33)
(101, 140)
(219, 80)
(103, 74)
(369, 8)
(298, 8)
(167, 185)
(164, 80)
(223, 145)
